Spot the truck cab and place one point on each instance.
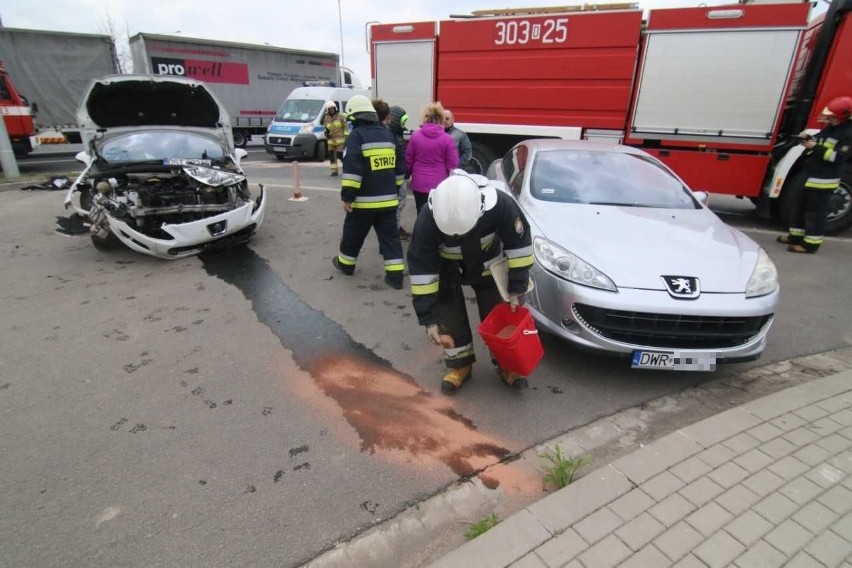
(296, 131)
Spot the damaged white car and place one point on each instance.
(162, 175)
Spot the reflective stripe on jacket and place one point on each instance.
(501, 232)
(335, 127)
(826, 160)
(372, 168)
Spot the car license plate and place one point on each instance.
(673, 361)
(279, 149)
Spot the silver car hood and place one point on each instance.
(635, 246)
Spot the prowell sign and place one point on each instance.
(208, 71)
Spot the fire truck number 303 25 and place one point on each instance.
(520, 32)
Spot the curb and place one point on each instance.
(429, 530)
(526, 530)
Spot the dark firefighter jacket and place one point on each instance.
(372, 170)
(826, 160)
(502, 231)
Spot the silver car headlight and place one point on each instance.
(764, 279)
(306, 129)
(569, 266)
(215, 178)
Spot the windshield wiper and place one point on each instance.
(616, 204)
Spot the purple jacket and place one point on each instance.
(430, 156)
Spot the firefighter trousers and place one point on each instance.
(333, 152)
(810, 216)
(357, 226)
(452, 312)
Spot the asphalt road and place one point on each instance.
(254, 407)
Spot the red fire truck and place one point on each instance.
(17, 115)
(717, 93)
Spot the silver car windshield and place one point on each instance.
(157, 145)
(299, 110)
(606, 178)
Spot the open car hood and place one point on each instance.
(150, 100)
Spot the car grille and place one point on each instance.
(670, 330)
(283, 141)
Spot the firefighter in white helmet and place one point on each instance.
(825, 158)
(467, 227)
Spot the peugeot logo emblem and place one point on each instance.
(682, 287)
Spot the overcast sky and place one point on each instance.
(284, 23)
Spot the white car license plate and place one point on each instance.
(279, 148)
(673, 361)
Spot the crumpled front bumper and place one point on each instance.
(193, 237)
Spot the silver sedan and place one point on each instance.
(630, 261)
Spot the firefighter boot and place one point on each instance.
(394, 282)
(347, 270)
(803, 248)
(454, 379)
(514, 380)
(790, 239)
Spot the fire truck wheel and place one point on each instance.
(840, 205)
(481, 158)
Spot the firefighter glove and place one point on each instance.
(432, 333)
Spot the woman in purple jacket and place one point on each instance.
(431, 154)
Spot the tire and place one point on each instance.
(320, 151)
(86, 199)
(240, 139)
(481, 158)
(109, 243)
(840, 205)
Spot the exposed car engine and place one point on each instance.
(147, 201)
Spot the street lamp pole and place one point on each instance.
(340, 19)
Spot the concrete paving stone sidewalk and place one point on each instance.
(765, 484)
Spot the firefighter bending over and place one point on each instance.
(372, 175)
(467, 227)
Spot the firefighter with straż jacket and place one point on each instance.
(467, 227)
(826, 154)
(372, 175)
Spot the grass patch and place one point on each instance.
(482, 526)
(561, 470)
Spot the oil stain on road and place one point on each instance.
(388, 409)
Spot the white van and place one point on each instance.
(297, 131)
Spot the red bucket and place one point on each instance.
(512, 339)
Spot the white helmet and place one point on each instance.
(456, 205)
